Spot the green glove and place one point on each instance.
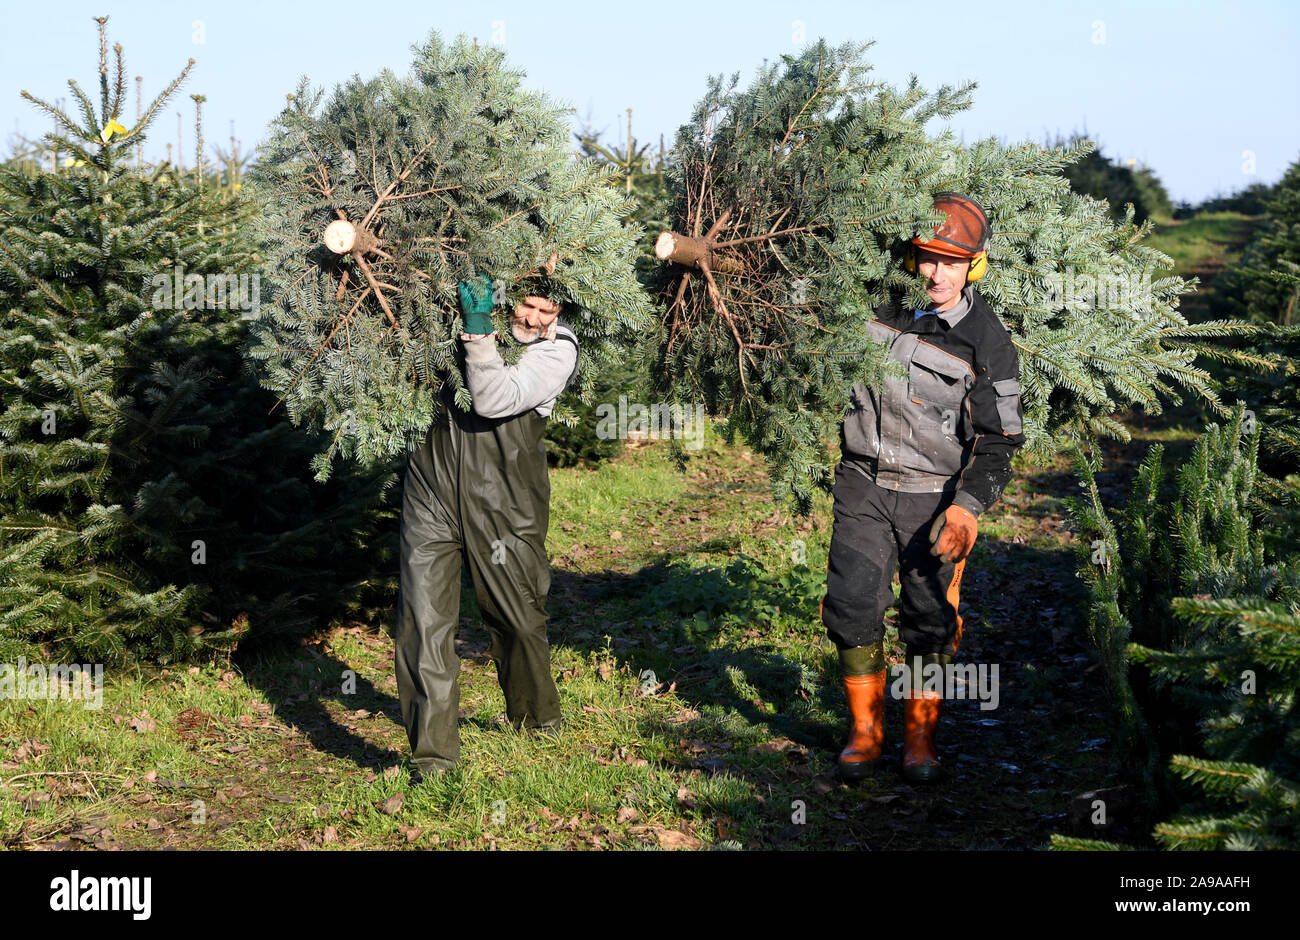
(476, 305)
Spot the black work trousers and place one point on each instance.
(877, 531)
(476, 494)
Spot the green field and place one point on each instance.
(702, 700)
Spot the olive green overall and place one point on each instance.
(476, 493)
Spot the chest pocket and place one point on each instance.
(936, 378)
(861, 434)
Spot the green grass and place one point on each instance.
(1205, 242)
(701, 697)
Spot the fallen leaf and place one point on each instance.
(673, 839)
(685, 798)
(331, 835)
(626, 814)
(30, 749)
(725, 830)
(392, 804)
(413, 832)
(774, 746)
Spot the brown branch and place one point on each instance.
(722, 308)
(374, 285)
(673, 308)
(401, 178)
(426, 192)
(718, 225)
(347, 316)
(767, 237)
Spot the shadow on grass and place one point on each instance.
(745, 649)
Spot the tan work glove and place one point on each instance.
(953, 534)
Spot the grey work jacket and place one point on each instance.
(953, 424)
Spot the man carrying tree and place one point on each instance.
(921, 459)
(476, 493)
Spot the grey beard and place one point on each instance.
(524, 333)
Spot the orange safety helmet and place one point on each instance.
(963, 234)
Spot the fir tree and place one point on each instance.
(1241, 667)
(1274, 398)
(452, 171)
(1264, 286)
(1188, 585)
(792, 199)
(150, 510)
(641, 173)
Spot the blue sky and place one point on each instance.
(1207, 93)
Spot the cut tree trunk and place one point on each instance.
(694, 253)
(342, 238)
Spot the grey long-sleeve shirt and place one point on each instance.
(502, 391)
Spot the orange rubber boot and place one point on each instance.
(866, 695)
(921, 717)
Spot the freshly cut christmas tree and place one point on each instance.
(792, 201)
(382, 199)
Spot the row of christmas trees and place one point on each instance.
(1195, 587)
(153, 506)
